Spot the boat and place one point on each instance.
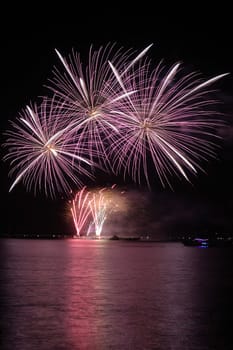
(205, 242)
(196, 242)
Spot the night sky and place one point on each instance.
(203, 42)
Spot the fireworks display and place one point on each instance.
(90, 209)
(42, 155)
(81, 210)
(117, 113)
(90, 94)
(166, 123)
(99, 208)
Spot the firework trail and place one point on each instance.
(99, 207)
(91, 208)
(166, 124)
(81, 210)
(102, 204)
(90, 92)
(42, 153)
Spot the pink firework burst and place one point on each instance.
(90, 93)
(167, 124)
(42, 152)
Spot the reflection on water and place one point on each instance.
(99, 295)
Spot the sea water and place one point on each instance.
(86, 294)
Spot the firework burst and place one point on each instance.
(119, 113)
(167, 124)
(90, 92)
(42, 153)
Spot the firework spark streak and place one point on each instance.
(103, 203)
(81, 210)
(99, 208)
(90, 94)
(166, 122)
(42, 154)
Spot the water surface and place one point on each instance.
(97, 295)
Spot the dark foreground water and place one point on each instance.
(97, 295)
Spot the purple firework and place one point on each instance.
(42, 153)
(166, 124)
(91, 92)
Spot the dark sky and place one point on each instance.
(202, 41)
